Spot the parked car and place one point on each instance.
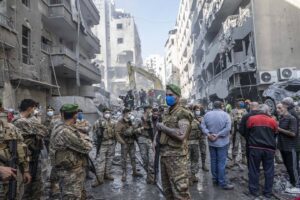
(278, 91)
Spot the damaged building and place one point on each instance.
(46, 47)
(231, 49)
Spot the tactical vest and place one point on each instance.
(108, 130)
(127, 132)
(170, 146)
(65, 158)
(7, 134)
(195, 131)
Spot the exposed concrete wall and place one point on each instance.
(277, 30)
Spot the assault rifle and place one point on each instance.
(92, 167)
(99, 134)
(12, 185)
(157, 151)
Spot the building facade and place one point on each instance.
(238, 47)
(121, 45)
(46, 49)
(156, 65)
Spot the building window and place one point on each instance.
(120, 40)
(119, 26)
(26, 2)
(25, 44)
(46, 45)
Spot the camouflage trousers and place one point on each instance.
(104, 160)
(174, 177)
(147, 155)
(193, 159)
(68, 183)
(33, 190)
(4, 187)
(238, 140)
(125, 150)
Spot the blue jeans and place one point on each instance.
(218, 158)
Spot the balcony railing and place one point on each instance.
(6, 21)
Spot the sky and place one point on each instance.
(154, 19)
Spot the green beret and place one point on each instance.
(175, 89)
(105, 109)
(69, 108)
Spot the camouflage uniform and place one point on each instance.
(10, 132)
(126, 131)
(174, 161)
(83, 125)
(145, 145)
(68, 151)
(237, 139)
(106, 130)
(196, 140)
(33, 134)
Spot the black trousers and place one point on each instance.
(291, 162)
(256, 157)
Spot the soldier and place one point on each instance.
(69, 149)
(49, 122)
(82, 124)
(173, 142)
(33, 134)
(196, 139)
(8, 133)
(237, 139)
(105, 141)
(144, 136)
(125, 129)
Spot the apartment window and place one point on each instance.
(46, 45)
(26, 2)
(120, 40)
(25, 44)
(119, 26)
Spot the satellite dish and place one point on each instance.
(221, 89)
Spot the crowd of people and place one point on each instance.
(170, 141)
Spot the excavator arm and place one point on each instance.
(131, 75)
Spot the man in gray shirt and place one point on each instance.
(217, 125)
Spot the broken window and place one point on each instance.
(120, 40)
(238, 47)
(46, 45)
(25, 44)
(26, 2)
(119, 26)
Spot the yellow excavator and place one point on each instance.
(131, 75)
(157, 94)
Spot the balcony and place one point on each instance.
(90, 12)
(217, 13)
(8, 34)
(64, 60)
(60, 20)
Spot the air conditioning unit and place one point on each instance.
(268, 77)
(286, 73)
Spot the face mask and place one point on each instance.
(171, 101)
(107, 116)
(197, 112)
(50, 113)
(131, 117)
(80, 116)
(35, 112)
(242, 105)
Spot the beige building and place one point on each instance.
(46, 49)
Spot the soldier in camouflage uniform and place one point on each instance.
(69, 149)
(144, 134)
(237, 139)
(105, 137)
(9, 132)
(125, 129)
(175, 130)
(197, 140)
(82, 124)
(33, 134)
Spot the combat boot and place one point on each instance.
(109, 177)
(136, 174)
(123, 177)
(97, 183)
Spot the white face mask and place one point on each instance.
(197, 112)
(36, 111)
(131, 117)
(50, 113)
(107, 116)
